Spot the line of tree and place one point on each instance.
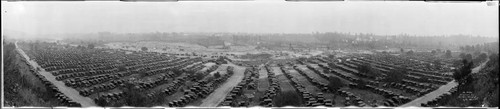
(19, 81)
(491, 47)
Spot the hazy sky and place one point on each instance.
(415, 18)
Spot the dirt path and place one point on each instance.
(440, 91)
(220, 93)
(263, 81)
(478, 68)
(68, 91)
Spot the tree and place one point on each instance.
(217, 75)
(494, 62)
(101, 102)
(334, 83)
(433, 52)
(462, 55)
(463, 72)
(159, 98)
(209, 78)
(396, 75)
(482, 56)
(410, 52)
(198, 76)
(437, 63)
(477, 52)
(368, 70)
(494, 100)
(448, 53)
(133, 97)
(468, 57)
(402, 51)
(144, 48)
(91, 46)
(365, 68)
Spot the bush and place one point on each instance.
(411, 52)
(335, 83)
(368, 70)
(468, 57)
(448, 53)
(198, 76)
(144, 48)
(91, 46)
(101, 102)
(462, 55)
(133, 97)
(396, 75)
(365, 68)
(494, 101)
(217, 75)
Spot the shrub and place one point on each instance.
(368, 70)
(91, 46)
(396, 75)
(335, 83)
(198, 76)
(144, 48)
(448, 53)
(133, 97)
(217, 75)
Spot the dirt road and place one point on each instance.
(220, 93)
(263, 81)
(68, 91)
(440, 91)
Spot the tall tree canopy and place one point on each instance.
(463, 72)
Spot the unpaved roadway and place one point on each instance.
(216, 97)
(68, 91)
(440, 91)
